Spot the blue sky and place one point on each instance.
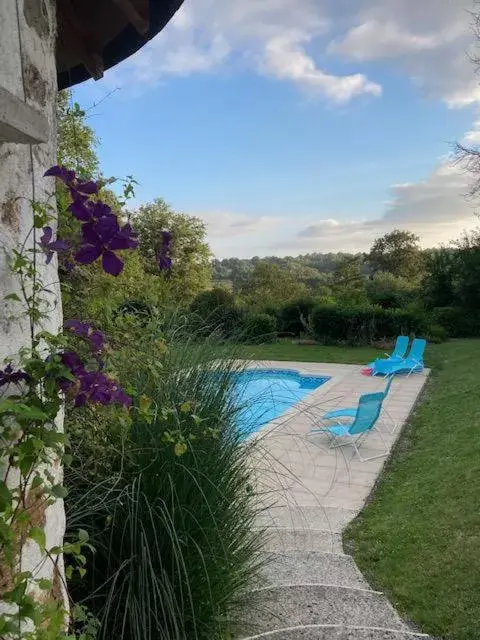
(290, 128)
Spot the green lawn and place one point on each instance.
(286, 350)
(418, 540)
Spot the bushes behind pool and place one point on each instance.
(293, 317)
(258, 327)
(458, 322)
(332, 324)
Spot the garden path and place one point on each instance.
(310, 588)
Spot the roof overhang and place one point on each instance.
(94, 35)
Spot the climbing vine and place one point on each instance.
(65, 369)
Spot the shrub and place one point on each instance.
(215, 311)
(259, 327)
(437, 334)
(138, 308)
(389, 291)
(364, 325)
(293, 318)
(458, 322)
(167, 505)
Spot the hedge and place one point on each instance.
(259, 327)
(294, 316)
(458, 322)
(333, 324)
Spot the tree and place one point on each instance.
(348, 282)
(439, 285)
(191, 271)
(389, 291)
(397, 252)
(269, 285)
(76, 140)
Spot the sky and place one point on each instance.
(293, 126)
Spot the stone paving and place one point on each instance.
(310, 589)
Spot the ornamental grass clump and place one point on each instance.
(170, 509)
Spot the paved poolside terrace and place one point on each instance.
(310, 588)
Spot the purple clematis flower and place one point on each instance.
(9, 376)
(83, 329)
(63, 174)
(73, 362)
(101, 238)
(50, 247)
(164, 258)
(80, 208)
(89, 187)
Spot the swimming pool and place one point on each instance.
(265, 394)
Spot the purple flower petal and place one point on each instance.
(97, 340)
(90, 236)
(8, 375)
(79, 210)
(167, 237)
(87, 254)
(111, 263)
(61, 173)
(81, 400)
(49, 256)
(165, 263)
(100, 209)
(71, 360)
(120, 397)
(80, 328)
(89, 187)
(59, 245)
(47, 236)
(107, 227)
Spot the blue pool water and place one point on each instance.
(265, 394)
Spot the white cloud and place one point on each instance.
(286, 59)
(428, 40)
(373, 39)
(268, 35)
(435, 208)
(299, 41)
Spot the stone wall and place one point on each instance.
(27, 74)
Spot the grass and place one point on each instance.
(167, 502)
(287, 350)
(418, 540)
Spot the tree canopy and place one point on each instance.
(191, 271)
(397, 252)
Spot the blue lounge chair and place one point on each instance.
(411, 364)
(366, 415)
(398, 354)
(401, 346)
(351, 412)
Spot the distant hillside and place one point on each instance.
(311, 268)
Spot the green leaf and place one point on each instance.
(5, 496)
(16, 594)
(69, 572)
(12, 296)
(22, 410)
(82, 571)
(37, 482)
(38, 534)
(83, 535)
(59, 491)
(44, 584)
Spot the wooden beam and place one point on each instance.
(133, 15)
(76, 37)
(19, 122)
